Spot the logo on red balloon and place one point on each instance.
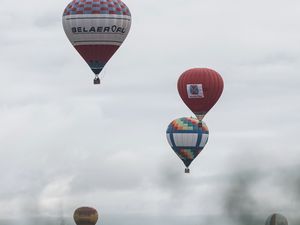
(195, 91)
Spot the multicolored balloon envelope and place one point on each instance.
(200, 89)
(187, 137)
(96, 28)
(85, 216)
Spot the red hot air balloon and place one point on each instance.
(200, 89)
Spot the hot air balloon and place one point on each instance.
(96, 28)
(85, 216)
(200, 89)
(187, 137)
(276, 219)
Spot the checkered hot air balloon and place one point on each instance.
(187, 137)
(96, 28)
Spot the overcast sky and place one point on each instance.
(66, 143)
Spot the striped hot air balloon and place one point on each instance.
(200, 89)
(96, 28)
(187, 137)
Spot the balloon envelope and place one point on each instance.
(200, 89)
(276, 219)
(187, 137)
(85, 216)
(96, 28)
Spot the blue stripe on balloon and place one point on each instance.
(184, 131)
(172, 140)
(199, 139)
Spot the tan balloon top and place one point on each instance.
(85, 216)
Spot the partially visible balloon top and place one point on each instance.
(85, 215)
(188, 125)
(116, 7)
(276, 219)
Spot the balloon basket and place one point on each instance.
(187, 170)
(97, 80)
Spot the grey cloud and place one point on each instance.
(239, 204)
(275, 191)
